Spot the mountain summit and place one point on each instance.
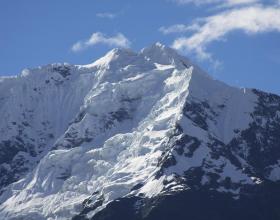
(144, 135)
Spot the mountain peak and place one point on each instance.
(157, 53)
(121, 52)
(133, 131)
(158, 45)
(115, 55)
(162, 54)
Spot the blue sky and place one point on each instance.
(236, 41)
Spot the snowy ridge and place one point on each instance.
(129, 124)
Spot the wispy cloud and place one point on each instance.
(106, 15)
(178, 28)
(219, 3)
(118, 40)
(250, 20)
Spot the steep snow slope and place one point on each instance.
(36, 108)
(130, 125)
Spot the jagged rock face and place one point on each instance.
(143, 135)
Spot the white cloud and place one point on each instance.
(221, 3)
(119, 40)
(178, 28)
(106, 15)
(250, 20)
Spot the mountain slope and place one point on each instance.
(135, 136)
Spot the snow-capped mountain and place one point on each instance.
(144, 135)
